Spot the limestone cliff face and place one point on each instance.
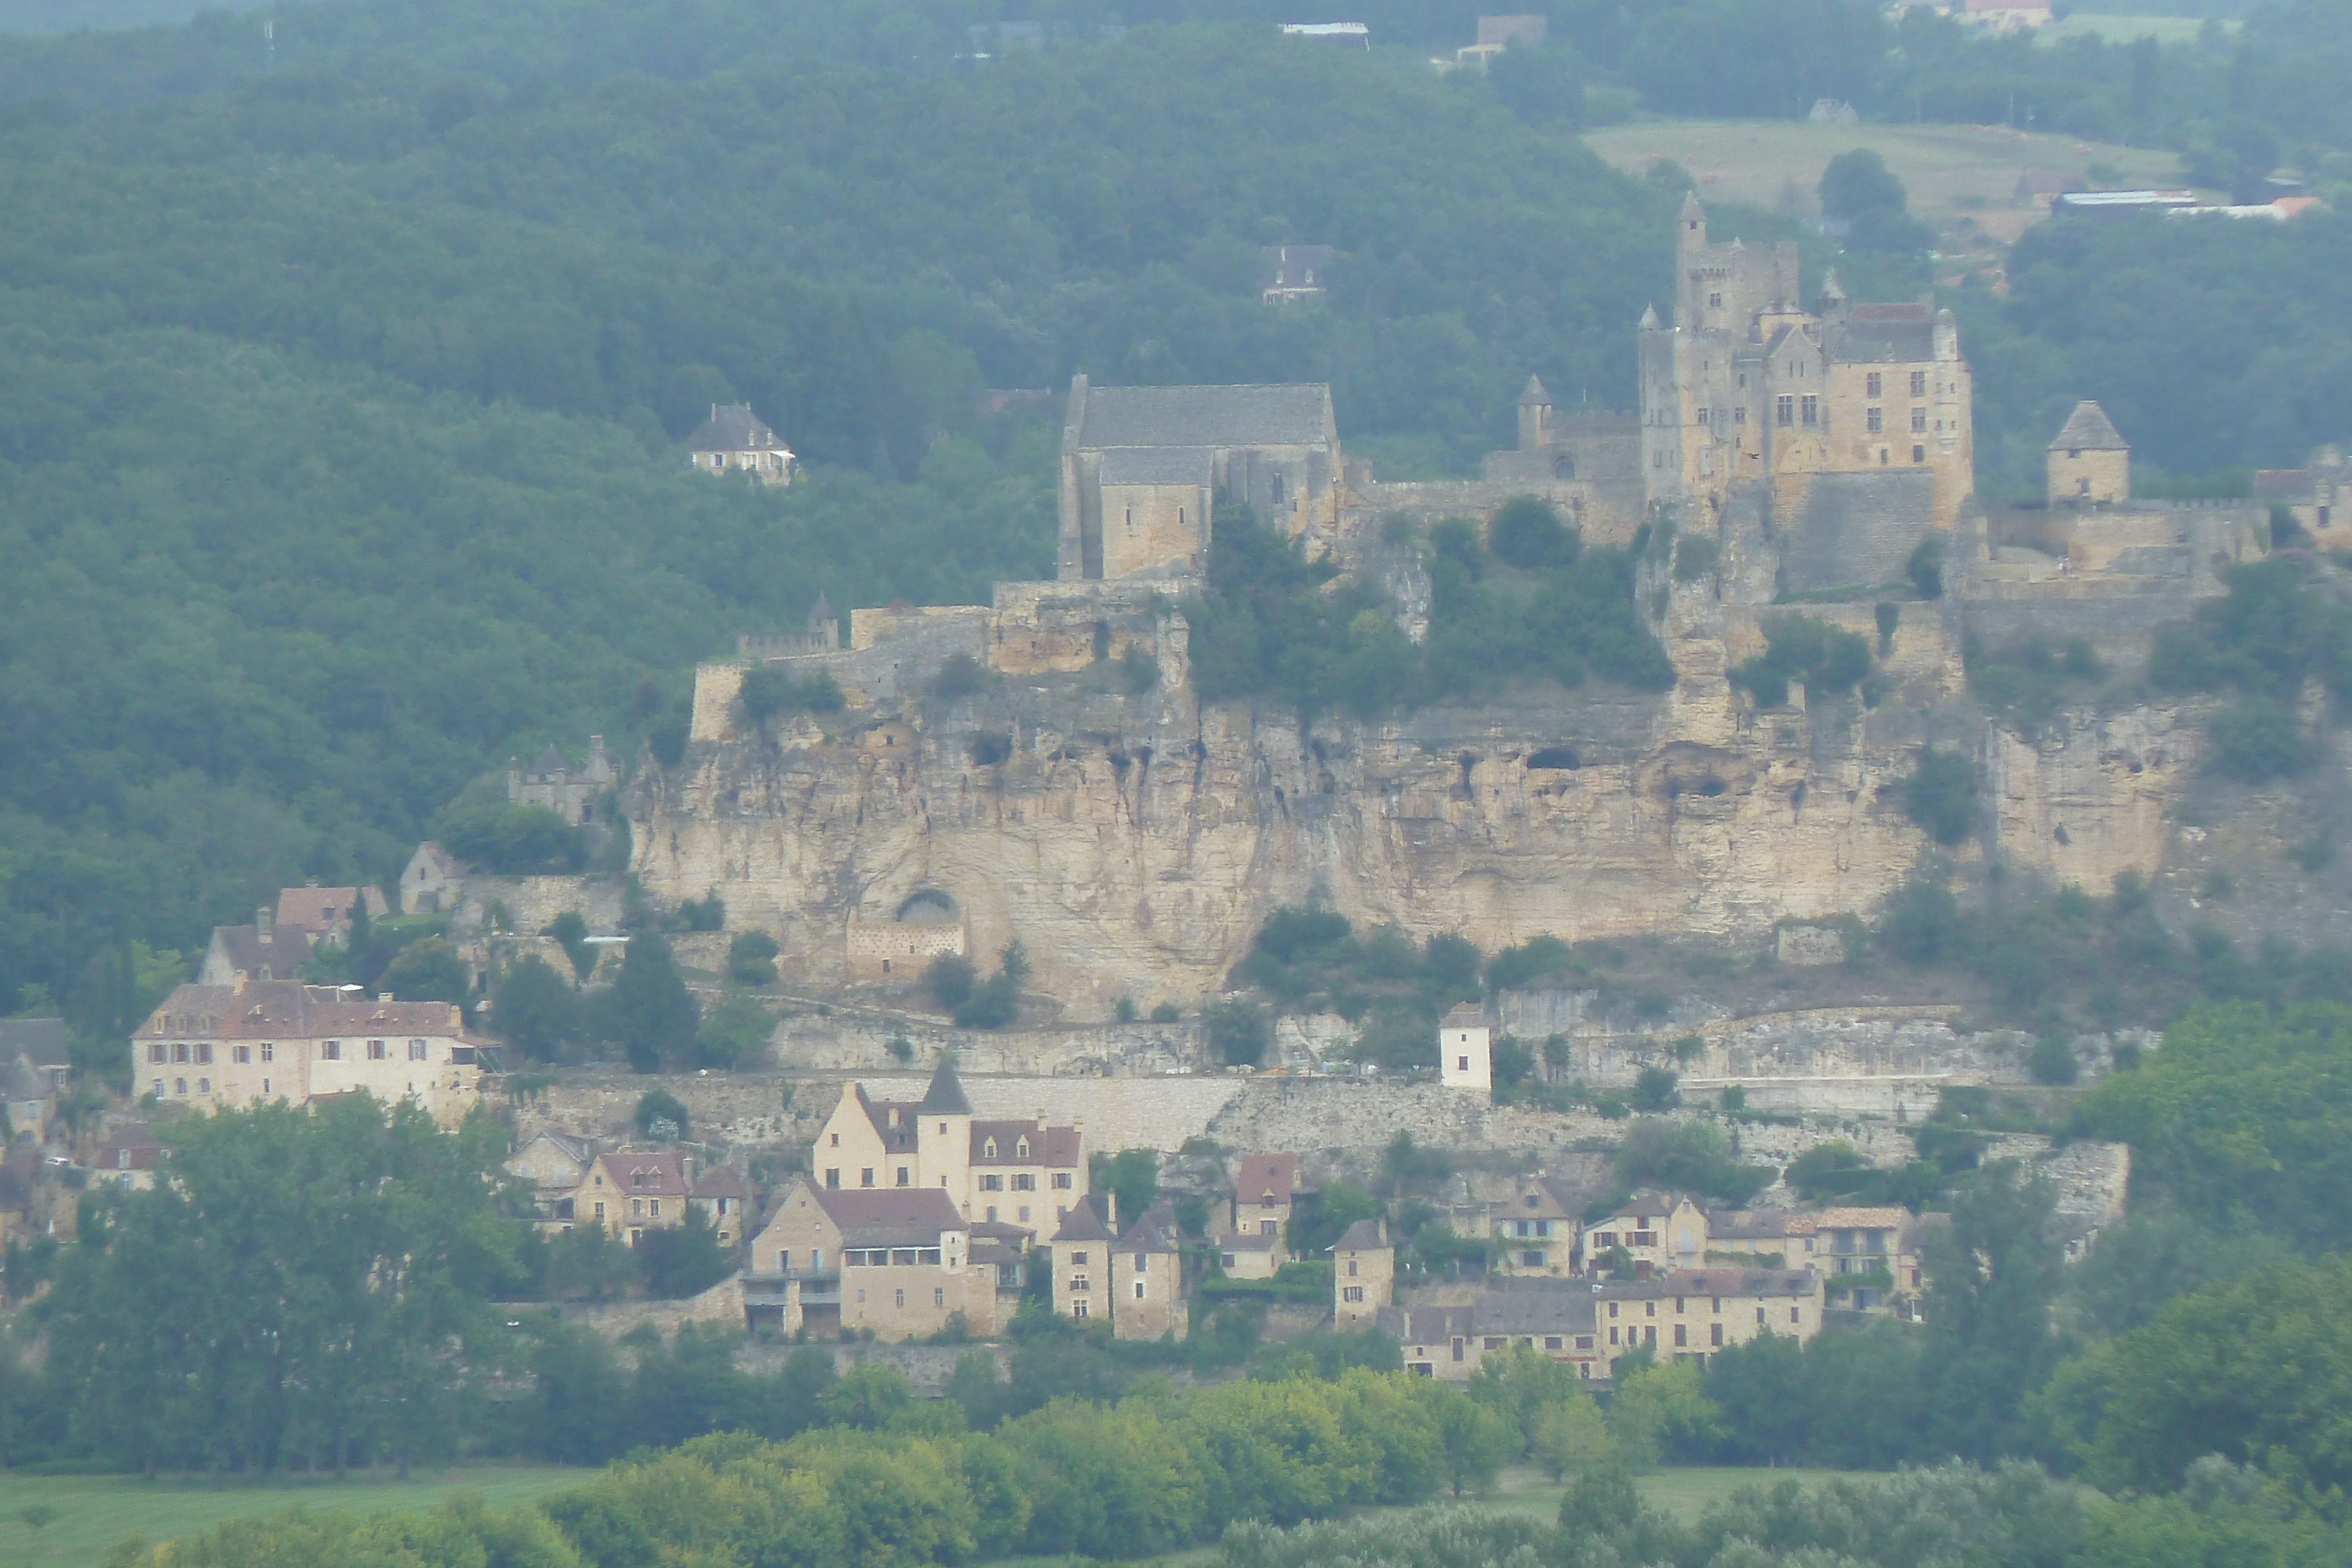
(1135, 843)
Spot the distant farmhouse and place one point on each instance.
(734, 441)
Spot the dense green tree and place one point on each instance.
(647, 1012)
(428, 971)
(535, 1010)
(310, 1286)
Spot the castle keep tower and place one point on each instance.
(1747, 384)
(2090, 462)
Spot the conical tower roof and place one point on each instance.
(945, 1096)
(822, 610)
(2088, 429)
(1691, 209)
(1534, 394)
(1649, 318)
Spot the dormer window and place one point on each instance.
(1020, 1150)
(988, 1149)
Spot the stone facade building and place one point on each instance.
(1142, 466)
(734, 439)
(1660, 1231)
(1748, 385)
(554, 783)
(1022, 1174)
(1465, 1050)
(2090, 462)
(263, 1041)
(1534, 1232)
(894, 1261)
(1363, 1275)
(1147, 1280)
(1081, 1252)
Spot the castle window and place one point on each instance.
(376, 1050)
(241, 1055)
(1740, 414)
(1714, 301)
(1809, 407)
(1784, 411)
(1874, 385)
(1918, 383)
(1918, 422)
(1918, 454)
(1875, 420)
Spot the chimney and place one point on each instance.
(265, 921)
(383, 996)
(1111, 1210)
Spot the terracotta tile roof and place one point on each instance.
(1892, 1218)
(1267, 1178)
(324, 908)
(288, 1010)
(1054, 1147)
(653, 1173)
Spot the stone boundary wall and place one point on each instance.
(860, 1042)
(926, 1367)
(722, 1305)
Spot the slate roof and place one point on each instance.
(1364, 1236)
(945, 1097)
(288, 1010)
(2088, 429)
(891, 1216)
(43, 1040)
(1645, 1206)
(1889, 1219)
(1157, 465)
(277, 957)
(1884, 335)
(1155, 1232)
(1734, 1282)
(1465, 1015)
(1541, 1198)
(1563, 1308)
(1054, 1147)
(1534, 394)
(1267, 1180)
(1084, 1223)
(1425, 1325)
(721, 1181)
(1749, 1224)
(1295, 415)
(732, 427)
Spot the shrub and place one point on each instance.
(950, 979)
(1941, 795)
(959, 677)
(1167, 1012)
(508, 839)
(1926, 568)
(1921, 922)
(766, 690)
(660, 1115)
(2256, 739)
(1656, 1090)
(1527, 533)
(708, 912)
(1238, 1033)
(428, 971)
(751, 959)
(1138, 670)
(1810, 653)
(1695, 556)
(2052, 1060)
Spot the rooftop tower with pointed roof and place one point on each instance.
(2090, 462)
(1535, 416)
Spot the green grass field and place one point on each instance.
(94, 1512)
(2124, 29)
(1962, 178)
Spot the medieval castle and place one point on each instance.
(1134, 842)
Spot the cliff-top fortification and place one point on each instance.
(1134, 839)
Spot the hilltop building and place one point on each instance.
(1294, 273)
(1854, 419)
(2318, 495)
(734, 439)
(1142, 467)
(554, 783)
(2090, 462)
